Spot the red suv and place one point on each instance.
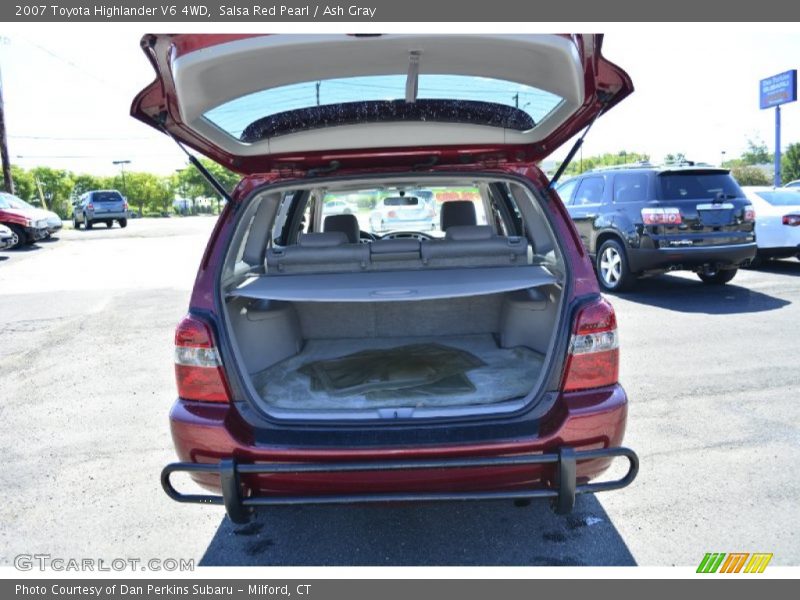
(322, 361)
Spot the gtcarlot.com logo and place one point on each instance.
(44, 562)
(734, 562)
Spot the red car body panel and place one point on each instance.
(206, 432)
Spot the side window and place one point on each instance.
(566, 189)
(590, 191)
(630, 187)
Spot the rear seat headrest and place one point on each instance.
(324, 239)
(457, 212)
(348, 224)
(468, 233)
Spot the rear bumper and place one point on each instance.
(96, 216)
(654, 259)
(577, 443)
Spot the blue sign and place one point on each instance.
(778, 89)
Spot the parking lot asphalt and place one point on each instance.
(86, 377)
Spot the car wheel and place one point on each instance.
(18, 236)
(123, 223)
(109, 223)
(613, 272)
(86, 222)
(720, 277)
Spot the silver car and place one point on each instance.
(103, 206)
(6, 237)
(403, 212)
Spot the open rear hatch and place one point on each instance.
(258, 103)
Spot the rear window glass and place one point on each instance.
(106, 197)
(590, 191)
(234, 116)
(630, 187)
(781, 198)
(698, 186)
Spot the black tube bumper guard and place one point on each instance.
(240, 507)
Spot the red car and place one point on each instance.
(27, 225)
(324, 362)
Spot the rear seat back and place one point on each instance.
(325, 252)
(476, 246)
(463, 246)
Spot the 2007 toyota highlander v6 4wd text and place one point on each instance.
(324, 361)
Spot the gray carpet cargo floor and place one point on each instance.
(498, 374)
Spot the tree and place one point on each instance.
(57, 187)
(24, 184)
(678, 157)
(749, 175)
(790, 163)
(756, 153)
(609, 159)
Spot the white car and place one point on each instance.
(777, 221)
(339, 207)
(54, 223)
(6, 237)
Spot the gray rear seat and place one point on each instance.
(325, 252)
(474, 245)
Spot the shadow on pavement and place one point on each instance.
(466, 533)
(783, 267)
(686, 295)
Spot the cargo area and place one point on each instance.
(382, 356)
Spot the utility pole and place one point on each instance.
(516, 100)
(122, 164)
(319, 83)
(8, 182)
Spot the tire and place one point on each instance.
(109, 224)
(87, 223)
(611, 264)
(18, 237)
(720, 277)
(123, 223)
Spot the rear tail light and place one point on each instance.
(124, 205)
(593, 359)
(198, 368)
(90, 207)
(749, 213)
(661, 216)
(791, 220)
(392, 214)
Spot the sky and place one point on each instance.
(68, 90)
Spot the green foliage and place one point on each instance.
(56, 187)
(749, 175)
(587, 163)
(790, 163)
(756, 153)
(678, 157)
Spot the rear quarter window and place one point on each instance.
(630, 187)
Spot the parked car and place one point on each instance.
(100, 206)
(777, 222)
(54, 223)
(403, 212)
(793, 184)
(27, 225)
(338, 206)
(318, 367)
(6, 237)
(642, 219)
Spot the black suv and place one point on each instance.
(643, 220)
